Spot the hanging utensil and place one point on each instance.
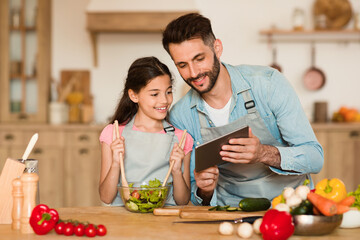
(274, 64)
(30, 146)
(314, 78)
(182, 140)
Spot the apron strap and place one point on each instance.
(249, 102)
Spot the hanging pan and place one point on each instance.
(314, 78)
(274, 64)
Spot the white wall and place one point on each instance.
(236, 22)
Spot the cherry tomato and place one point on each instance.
(90, 230)
(101, 230)
(68, 229)
(79, 230)
(135, 194)
(59, 228)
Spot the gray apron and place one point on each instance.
(147, 156)
(237, 181)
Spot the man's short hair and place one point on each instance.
(187, 27)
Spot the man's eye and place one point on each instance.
(181, 65)
(200, 59)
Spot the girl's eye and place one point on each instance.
(154, 95)
(169, 92)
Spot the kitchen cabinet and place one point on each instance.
(25, 60)
(83, 155)
(341, 144)
(69, 158)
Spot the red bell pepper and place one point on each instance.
(43, 219)
(277, 225)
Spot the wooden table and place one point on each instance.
(122, 224)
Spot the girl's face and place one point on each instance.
(155, 99)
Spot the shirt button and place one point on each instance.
(210, 121)
(198, 143)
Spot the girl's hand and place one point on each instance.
(117, 147)
(177, 155)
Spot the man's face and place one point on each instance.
(197, 64)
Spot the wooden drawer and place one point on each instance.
(82, 139)
(46, 138)
(11, 138)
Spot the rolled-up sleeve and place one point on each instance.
(303, 153)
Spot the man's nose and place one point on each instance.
(193, 72)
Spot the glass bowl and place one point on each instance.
(312, 225)
(139, 197)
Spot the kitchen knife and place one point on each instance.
(236, 220)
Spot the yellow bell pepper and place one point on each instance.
(333, 189)
(277, 200)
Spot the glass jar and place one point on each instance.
(298, 19)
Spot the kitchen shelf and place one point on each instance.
(340, 36)
(127, 22)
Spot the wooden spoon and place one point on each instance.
(30, 146)
(124, 183)
(182, 141)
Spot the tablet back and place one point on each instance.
(208, 154)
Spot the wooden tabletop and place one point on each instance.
(122, 224)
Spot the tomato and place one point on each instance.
(90, 230)
(101, 230)
(68, 229)
(59, 228)
(79, 230)
(135, 194)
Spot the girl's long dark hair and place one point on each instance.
(141, 71)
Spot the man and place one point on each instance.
(281, 150)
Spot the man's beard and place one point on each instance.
(213, 75)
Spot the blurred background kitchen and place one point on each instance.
(63, 65)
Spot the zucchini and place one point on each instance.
(254, 204)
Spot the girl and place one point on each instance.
(147, 141)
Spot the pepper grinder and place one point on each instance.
(29, 186)
(18, 198)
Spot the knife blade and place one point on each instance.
(236, 220)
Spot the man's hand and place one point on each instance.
(250, 150)
(206, 181)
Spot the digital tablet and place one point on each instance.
(208, 154)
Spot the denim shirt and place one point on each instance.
(279, 107)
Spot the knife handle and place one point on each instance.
(247, 219)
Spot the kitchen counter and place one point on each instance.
(122, 224)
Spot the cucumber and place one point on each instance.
(254, 204)
(232, 209)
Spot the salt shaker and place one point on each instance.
(18, 198)
(29, 185)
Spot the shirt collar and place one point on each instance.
(238, 86)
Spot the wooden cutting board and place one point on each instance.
(202, 212)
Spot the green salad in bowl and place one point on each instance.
(144, 197)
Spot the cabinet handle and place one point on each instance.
(354, 134)
(38, 151)
(83, 137)
(9, 137)
(83, 151)
(23, 116)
